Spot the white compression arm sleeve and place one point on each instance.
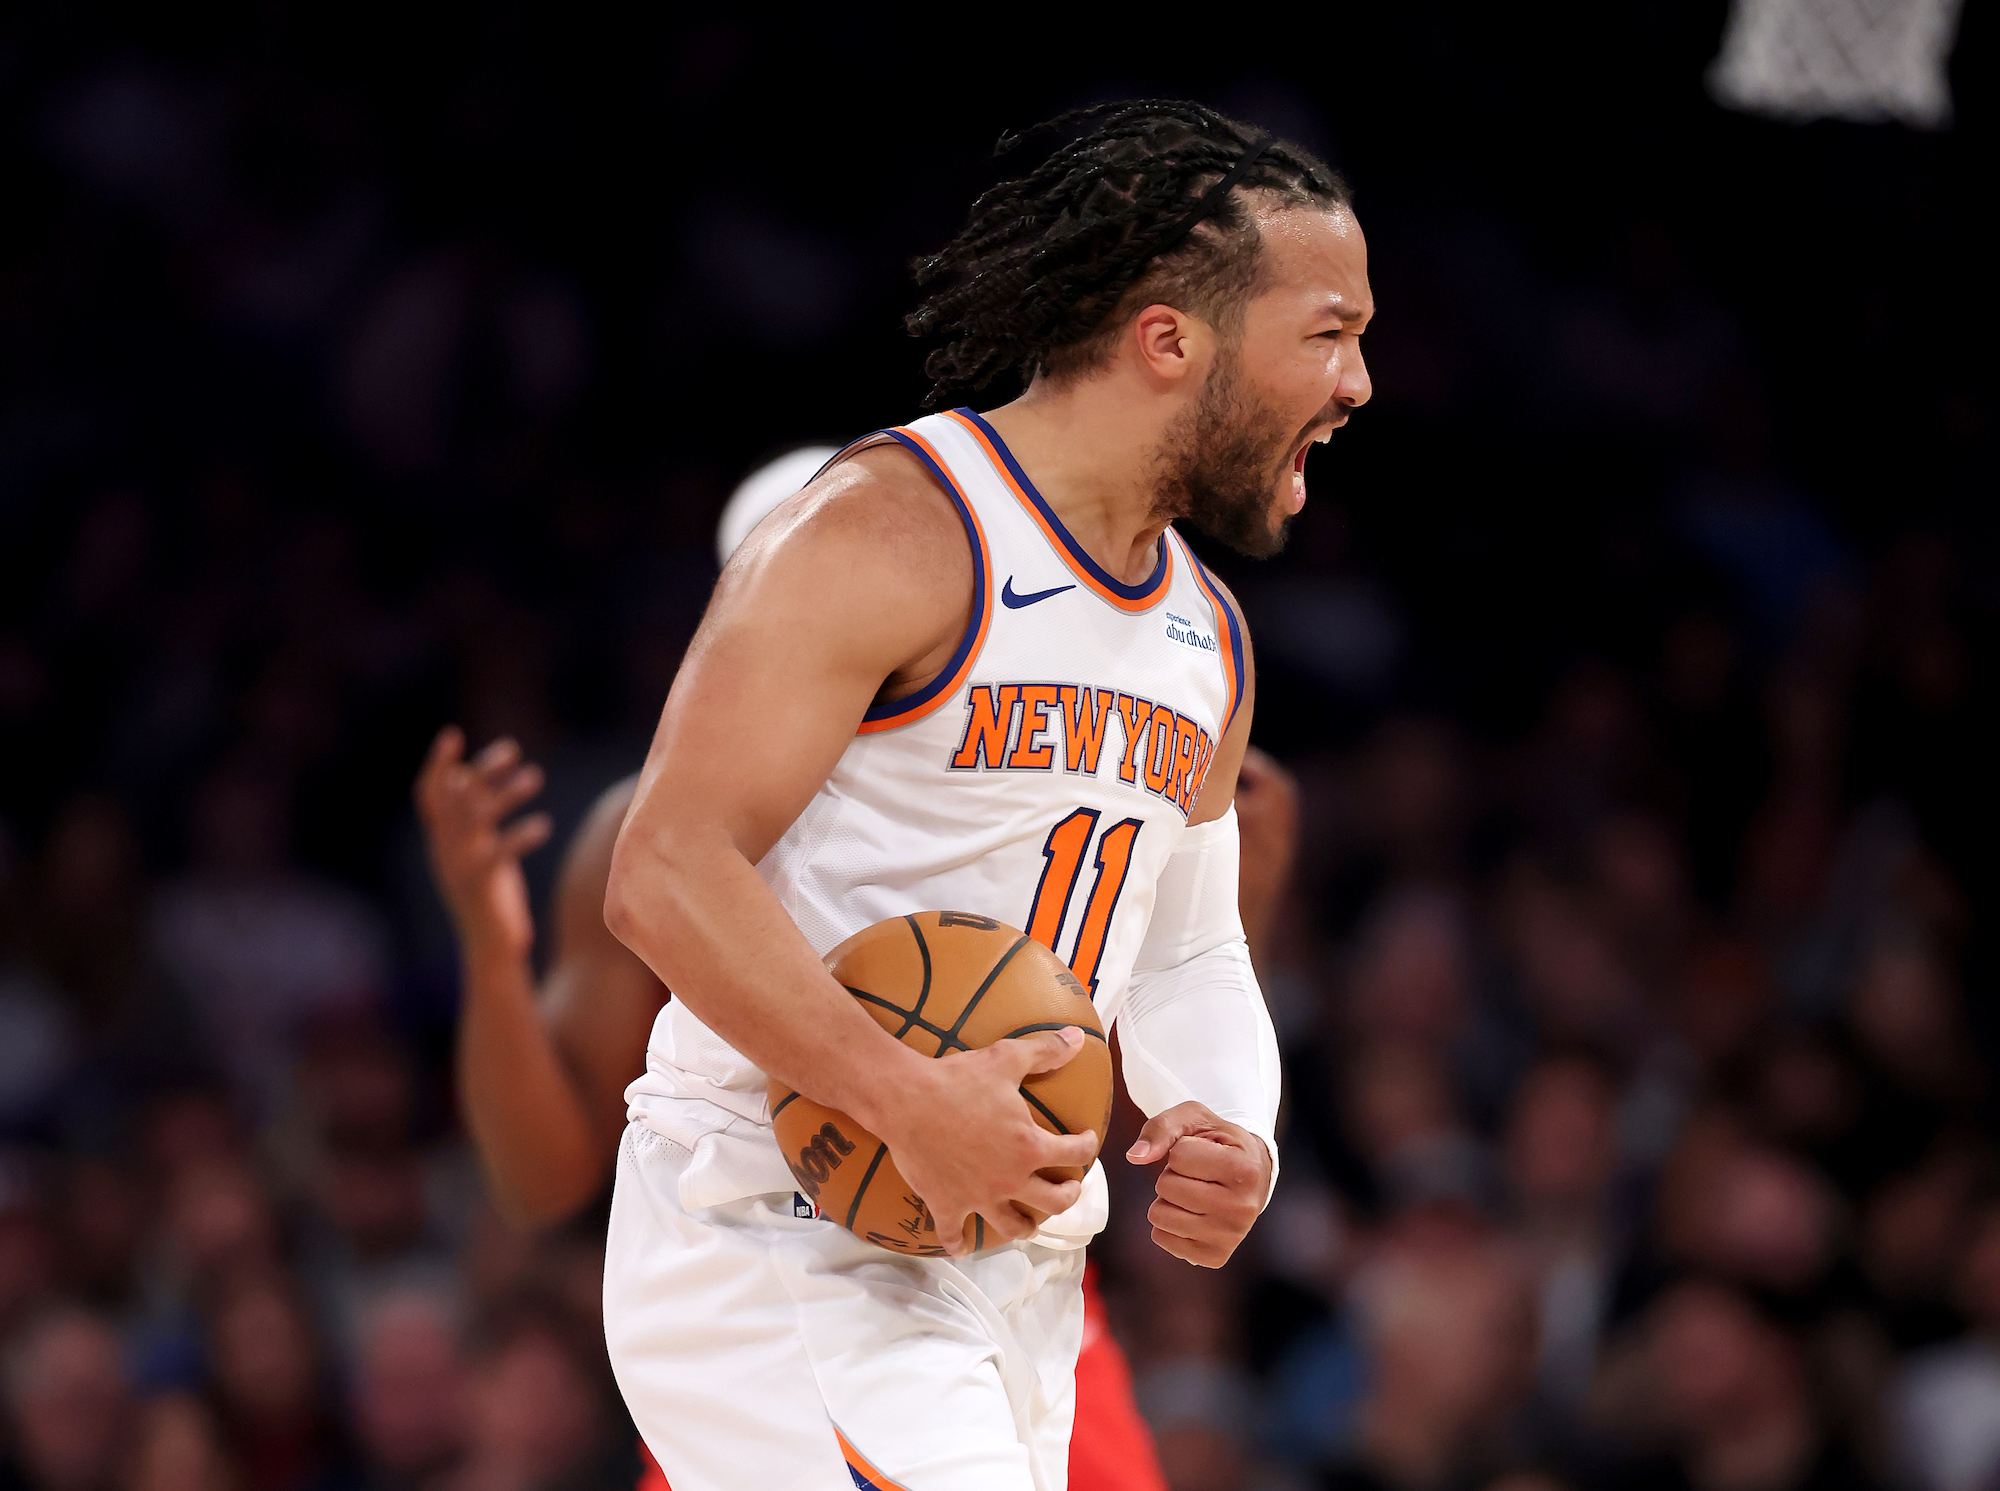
(1194, 1026)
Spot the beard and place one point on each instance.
(1220, 463)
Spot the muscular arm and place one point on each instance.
(864, 577)
(1200, 1056)
(541, 1073)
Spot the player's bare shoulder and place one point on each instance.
(872, 545)
(879, 505)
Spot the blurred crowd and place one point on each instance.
(1589, 1179)
(1635, 977)
(1639, 1131)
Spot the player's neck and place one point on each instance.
(1091, 451)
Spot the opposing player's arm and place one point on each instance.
(540, 1071)
(598, 1002)
(1200, 1054)
(858, 588)
(1267, 823)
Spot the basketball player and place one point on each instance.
(542, 1071)
(974, 667)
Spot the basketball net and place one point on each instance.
(1869, 61)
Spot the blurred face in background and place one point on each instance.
(374, 1199)
(175, 1448)
(1452, 1330)
(263, 1354)
(1914, 1228)
(1561, 1142)
(1398, 1095)
(534, 1411)
(410, 1394)
(220, 1218)
(1716, 1363)
(1411, 977)
(1744, 1209)
(67, 1391)
(1906, 1014)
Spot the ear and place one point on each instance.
(1171, 344)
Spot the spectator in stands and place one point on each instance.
(409, 1391)
(1732, 1397)
(1447, 1318)
(1561, 1148)
(176, 1447)
(268, 1385)
(539, 1405)
(263, 950)
(68, 1404)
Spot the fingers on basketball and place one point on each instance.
(946, 982)
(1038, 1051)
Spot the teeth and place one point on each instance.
(1323, 439)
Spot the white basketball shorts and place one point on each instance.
(756, 1348)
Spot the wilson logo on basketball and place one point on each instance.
(820, 1159)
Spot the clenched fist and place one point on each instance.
(1216, 1179)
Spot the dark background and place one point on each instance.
(365, 370)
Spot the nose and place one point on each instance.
(1355, 387)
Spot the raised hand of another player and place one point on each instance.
(969, 1144)
(1214, 1184)
(475, 853)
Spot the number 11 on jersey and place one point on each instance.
(1064, 852)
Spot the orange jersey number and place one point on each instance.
(1064, 851)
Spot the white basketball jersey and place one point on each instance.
(1043, 778)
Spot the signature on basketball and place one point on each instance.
(919, 1220)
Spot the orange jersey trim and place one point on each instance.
(864, 1473)
(913, 707)
(1134, 598)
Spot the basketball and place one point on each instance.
(942, 981)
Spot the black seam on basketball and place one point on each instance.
(992, 974)
(783, 1103)
(910, 1017)
(854, 1206)
(923, 950)
(1053, 1025)
(1043, 1108)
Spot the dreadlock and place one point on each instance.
(1035, 280)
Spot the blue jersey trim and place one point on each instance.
(910, 703)
(1144, 590)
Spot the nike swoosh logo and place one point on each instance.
(1014, 602)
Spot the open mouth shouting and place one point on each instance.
(1318, 434)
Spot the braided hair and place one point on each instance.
(1036, 280)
